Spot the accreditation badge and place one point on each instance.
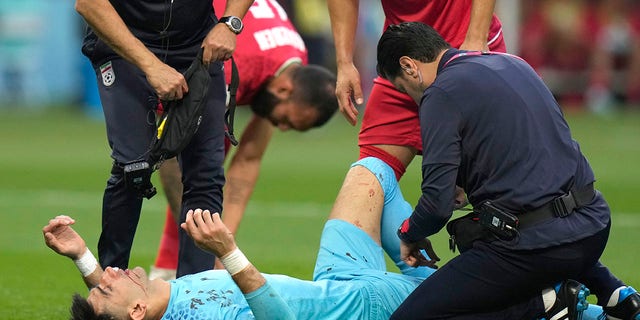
(108, 75)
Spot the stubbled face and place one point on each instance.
(415, 77)
(288, 115)
(409, 86)
(118, 290)
(413, 84)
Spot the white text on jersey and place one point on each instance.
(278, 37)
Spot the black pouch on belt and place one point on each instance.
(464, 231)
(502, 224)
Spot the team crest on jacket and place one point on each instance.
(108, 76)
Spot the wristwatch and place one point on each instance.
(234, 23)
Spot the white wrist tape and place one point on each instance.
(86, 264)
(235, 261)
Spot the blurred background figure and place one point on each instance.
(587, 51)
(311, 18)
(39, 56)
(369, 30)
(615, 60)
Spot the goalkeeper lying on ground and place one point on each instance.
(350, 279)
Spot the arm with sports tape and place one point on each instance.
(210, 234)
(61, 238)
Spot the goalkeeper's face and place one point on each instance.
(121, 293)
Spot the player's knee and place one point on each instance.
(382, 171)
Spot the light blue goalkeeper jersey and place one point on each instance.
(213, 295)
(350, 277)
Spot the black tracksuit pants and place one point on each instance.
(129, 105)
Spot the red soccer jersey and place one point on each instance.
(449, 17)
(268, 42)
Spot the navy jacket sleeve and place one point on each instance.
(440, 122)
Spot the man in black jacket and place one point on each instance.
(139, 50)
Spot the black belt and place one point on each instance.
(561, 206)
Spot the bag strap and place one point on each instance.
(229, 115)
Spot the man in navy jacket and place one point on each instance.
(489, 124)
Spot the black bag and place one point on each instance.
(464, 231)
(177, 125)
(181, 118)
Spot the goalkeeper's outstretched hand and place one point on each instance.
(61, 238)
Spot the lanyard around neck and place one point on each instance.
(477, 53)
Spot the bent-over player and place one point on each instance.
(282, 90)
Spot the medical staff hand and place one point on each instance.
(410, 253)
(168, 83)
(219, 44)
(460, 200)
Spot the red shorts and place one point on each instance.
(391, 117)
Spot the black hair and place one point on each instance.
(81, 309)
(314, 87)
(415, 40)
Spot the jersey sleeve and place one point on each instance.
(267, 304)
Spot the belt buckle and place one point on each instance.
(564, 205)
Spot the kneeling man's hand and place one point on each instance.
(412, 255)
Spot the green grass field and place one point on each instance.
(56, 162)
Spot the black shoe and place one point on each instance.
(628, 307)
(571, 301)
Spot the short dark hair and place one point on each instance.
(415, 40)
(81, 309)
(315, 87)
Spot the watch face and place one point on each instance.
(236, 23)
